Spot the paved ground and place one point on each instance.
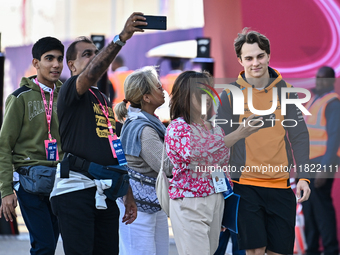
(20, 245)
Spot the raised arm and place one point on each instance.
(99, 64)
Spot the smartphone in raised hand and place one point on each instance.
(154, 22)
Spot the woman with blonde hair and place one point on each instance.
(142, 138)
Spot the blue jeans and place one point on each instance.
(41, 223)
(223, 243)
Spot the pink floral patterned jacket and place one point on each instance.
(194, 152)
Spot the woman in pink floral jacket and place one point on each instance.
(195, 147)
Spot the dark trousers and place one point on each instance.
(320, 220)
(86, 230)
(223, 243)
(40, 222)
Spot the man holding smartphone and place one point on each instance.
(268, 205)
(86, 126)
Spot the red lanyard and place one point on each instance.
(105, 112)
(48, 110)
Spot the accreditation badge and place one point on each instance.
(219, 180)
(117, 150)
(51, 149)
(117, 145)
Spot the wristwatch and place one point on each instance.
(117, 40)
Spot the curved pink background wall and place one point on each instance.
(304, 35)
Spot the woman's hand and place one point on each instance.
(130, 208)
(246, 130)
(243, 131)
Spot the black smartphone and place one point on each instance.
(268, 120)
(154, 22)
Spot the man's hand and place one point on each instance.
(7, 207)
(302, 185)
(130, 26)
(130, 208)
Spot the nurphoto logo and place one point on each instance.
(238, 103)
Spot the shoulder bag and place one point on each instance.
(162, 188)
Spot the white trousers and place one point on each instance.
(196, 223)
(147, 235)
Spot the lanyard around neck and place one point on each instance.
(105, 112)
(48, 110)
(197, 126)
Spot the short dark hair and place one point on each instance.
(46, 44)
(71, 53)
(327, 72)
(251, 37)
(176, 63)
(119, 60)
(183, 89)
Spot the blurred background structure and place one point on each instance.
(304, 34)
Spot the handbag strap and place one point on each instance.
(162, 163)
